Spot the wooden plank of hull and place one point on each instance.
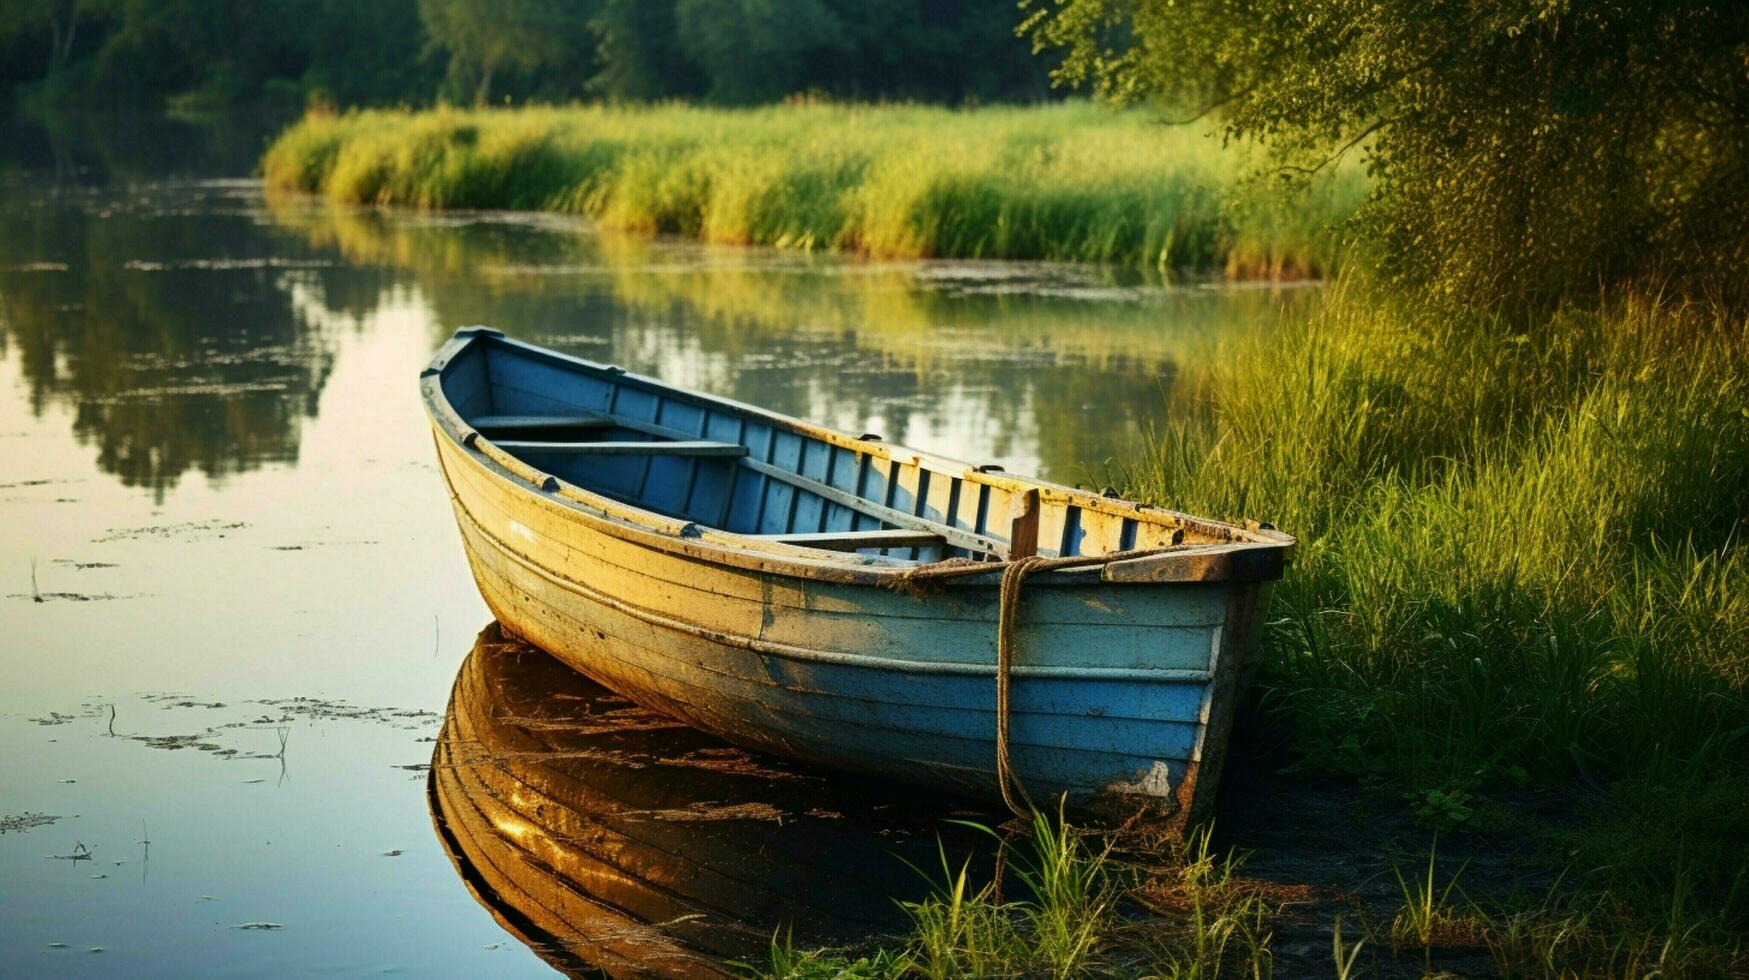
(859, 540)
(714, 673)
(684, 675)
(1178, 651)
(488, 423)
(1092, 626)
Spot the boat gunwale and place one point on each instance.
(1232, 560)
(805, 654)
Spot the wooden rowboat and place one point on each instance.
(843, 600)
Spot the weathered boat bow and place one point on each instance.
(842, 599)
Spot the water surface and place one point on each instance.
(232, 600)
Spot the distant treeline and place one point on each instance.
(213, 53)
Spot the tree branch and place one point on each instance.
(1376, 125)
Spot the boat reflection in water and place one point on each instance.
(610, 838)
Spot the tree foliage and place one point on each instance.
(1523, 150)
(212, 52)
(639, 52)
(759, 50)
(486, 37)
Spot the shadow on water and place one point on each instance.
(114, 148)
(610, 838)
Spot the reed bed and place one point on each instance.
(1066, 182)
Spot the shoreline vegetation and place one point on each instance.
(1064, 182)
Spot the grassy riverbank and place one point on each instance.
(1063, 182)
(1518, 620)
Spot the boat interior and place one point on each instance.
(750, 472)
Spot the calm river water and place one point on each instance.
(233, 604)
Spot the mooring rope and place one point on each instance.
(1008, 611)
(1014, 574)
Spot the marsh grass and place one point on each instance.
(1345, 956)
(1062, 182)
(789, 963)
(1570, 936)
(1122, 904)
(1207, 920)
(1429, 916)
(964, 928)
(1072, 890)
(1521, 553)
(1178, 908)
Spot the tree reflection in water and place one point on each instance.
(189, 326)
(173, 338)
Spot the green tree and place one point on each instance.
(366, 52)
(758, 50)
(214, 52)
(58, 20)
(639, 53)
(41, 39)
(935, 50)
(486, 37)
(210, 51)
(1521, 149)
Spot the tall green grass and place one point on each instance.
(1063, 182)
(1522, 549)
(1522, 564)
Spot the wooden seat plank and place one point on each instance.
(687, 447)
(955, 537)
(858, 540)
(498, 422)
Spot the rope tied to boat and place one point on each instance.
(1007, 614)
(1014, 574)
